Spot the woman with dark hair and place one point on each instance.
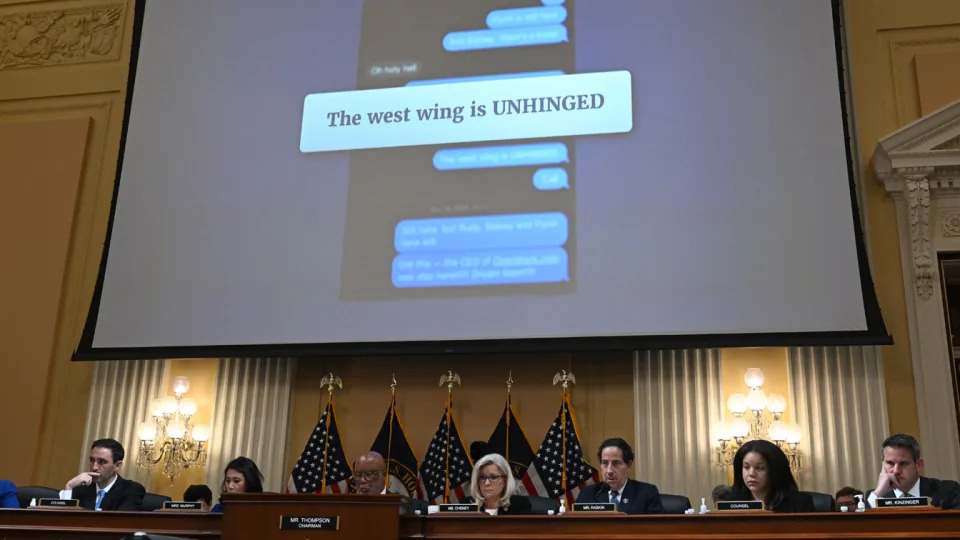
(240, 476)
(761, 472)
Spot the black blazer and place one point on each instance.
(795, 502)
(636, 497)
(124, 495)
(519, 506)
(942, 493)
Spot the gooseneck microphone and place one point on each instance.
(603, 494)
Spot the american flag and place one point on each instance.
(444, 480)
(560, 458)
(322, 456)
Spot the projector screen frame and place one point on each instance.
(875, 334)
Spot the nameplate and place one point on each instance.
(739, 505)
(314, 523)
(902, 502)
(594, 507)
(69, 503)
(458, 508)
(180, 505)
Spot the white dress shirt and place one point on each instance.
(68, 493)
(912, 492)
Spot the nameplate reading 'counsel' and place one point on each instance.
(458, 508)
(315, 523)
(594, 507)
(902, 502)
(181, 505)
(739, 505)
(68, 503)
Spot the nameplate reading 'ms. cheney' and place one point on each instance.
(594, 507)
(902, 502)
(180, 505)
(68, 503)
(315, 523)
(458, 508)
(739, 505)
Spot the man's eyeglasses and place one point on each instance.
(490, 479)
(364, 476)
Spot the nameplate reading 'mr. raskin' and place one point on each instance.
(70, 503)
(739, 505)
(315, 523)
(901, 502)
(458, 508)
(594, 507)
(181, 505)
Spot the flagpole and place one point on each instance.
(566, 378)
(330, 381)
(509, 409)
(448, 379)
(393, 408)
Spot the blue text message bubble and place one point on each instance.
(553, 2)
(496, 267)
(504, 231)
(486, 157)
(491, 77)
(551, 178)
(531, 16)
(497, 38)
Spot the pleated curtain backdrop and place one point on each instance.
(119, 400)
(840, 402)
(250, 417)
(677, 398)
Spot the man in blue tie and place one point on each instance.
(630, 496)
(102, 488)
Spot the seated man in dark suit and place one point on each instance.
(900, 476)
(102, 488)
(630, 496)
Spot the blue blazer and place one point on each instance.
(8, 495)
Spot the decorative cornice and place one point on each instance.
(64, 36)
(952, 144)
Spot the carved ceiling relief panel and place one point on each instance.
(66, 36)
(950, 222)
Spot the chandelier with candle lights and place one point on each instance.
(757, 416)
(169, 441)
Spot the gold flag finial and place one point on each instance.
(509, 381)
(393, 383)
(330, 380)
(566, 378)
(448, 379)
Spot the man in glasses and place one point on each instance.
(369, 474)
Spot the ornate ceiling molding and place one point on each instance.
(62, 36)
(918, 162)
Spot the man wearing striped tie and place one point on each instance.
(102, 488)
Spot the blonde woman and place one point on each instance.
(492, 487)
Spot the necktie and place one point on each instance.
(614, 497)
(100, 495)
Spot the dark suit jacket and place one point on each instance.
(795, 502)
(124, 495)
(519, 506)
(942, 493)
(636, 498)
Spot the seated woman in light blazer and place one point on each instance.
(492, 487)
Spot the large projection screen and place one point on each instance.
(333, 177)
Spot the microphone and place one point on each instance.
(603, 494)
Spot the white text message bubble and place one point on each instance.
(491, 110)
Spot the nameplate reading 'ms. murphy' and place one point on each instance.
(62, 503)
(314, 523)
(594, 507)
(739, 505)
(902, 502)
(458, 508)
(180, 505)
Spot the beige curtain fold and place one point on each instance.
(250, 417)
(677, 397)
(838, 398)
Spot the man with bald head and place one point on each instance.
(370, 474)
